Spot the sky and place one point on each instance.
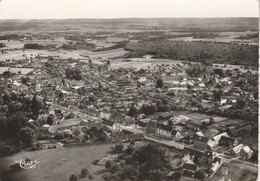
(68, 9)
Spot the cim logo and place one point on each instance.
(27, 164)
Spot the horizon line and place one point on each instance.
(130, 18)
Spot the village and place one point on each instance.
(208, 112)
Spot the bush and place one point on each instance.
(84, 172)
(6, 150)
(73, 177)
(90, 176)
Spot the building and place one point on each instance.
(199, 155)
(151, 126)
(246, 153)
(189, 170)
(110, 125)
(140, 124)
(105, 114)
(218, 137)
(123, 82)
(200, 142)
(227, 141)
(176, 135)
(66, 124)
(216, 163)
(164, 130)
(237, 149)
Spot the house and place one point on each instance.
(140, 124)
(211, 144)
(198, 154)
(192, 125)
(216, 163)
(237, 149)
(119, 118)
(176, 135)
(227, 141)
(218, 137)
(164, 130)
(246, 153)
(186, 159)
(110, 125)
(151, 126)
(66, 124)
(142, 79)
(199, 133)
(165, 115)
(124, 82)
(189, 169)
(135, 137)
(93, 112)
(200, 142)
(121, 138)
(126, 132)
(105, 114)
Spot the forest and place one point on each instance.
(206, 52)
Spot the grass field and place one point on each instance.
(58, 164)
(104, 54)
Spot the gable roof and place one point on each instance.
(227, 139)
(190, 166)
(247, 150)
(218, 137)
(135, 136)
(164, 127)
(141, 123)
(108, 123)
(174, 132)
(202, 139)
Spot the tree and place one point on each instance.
(6, 98)
(73, 73)
(84, 173)
(217, 95)
(240, 104)
(37, 105)
(130, 149)
(50, 119)
(27, 135)
(14, 106)
(149, 109)
(108, 164)
(118, 148)
(132, 111)
(73, 177)
(255, 95)
(201, 174)
(219, 72)
(159, 83)
(92, 99)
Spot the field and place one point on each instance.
(58, 164)
(232, 172)
(104, 54)
(22, 71)
(141, 62)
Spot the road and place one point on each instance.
(83, 115)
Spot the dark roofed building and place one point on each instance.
(110, 124)
(165, 115)
(140, 124)
(135, 137)
(190, 167)
(227, 141)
